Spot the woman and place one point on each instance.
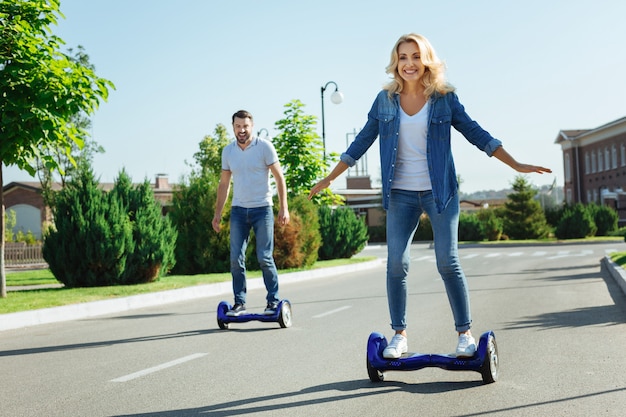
(413, 116)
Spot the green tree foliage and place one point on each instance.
(469, 227)
(154, 236)
(114, 238)
(92, 235)
(491, 224)
(199, 250)
(604, 217)
(576, 222)
(343, 233)
(10, 220)
(300, 151)
(524, 217)
(209, 157)
(40, 90)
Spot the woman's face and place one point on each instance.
(410, 67)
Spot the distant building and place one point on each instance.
(594, 163)
(26, 200)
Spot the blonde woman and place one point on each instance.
(413, 116)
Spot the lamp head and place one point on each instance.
(336, 97)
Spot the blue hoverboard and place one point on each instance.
(484, 361)
(282, 316)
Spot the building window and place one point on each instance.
(569, 196)
(587, 167)
(567, 168)
(588, 196)
(613, 157)
(593, 162)
(623, 152)
(595, 196)
(600, 159)
(607, 159)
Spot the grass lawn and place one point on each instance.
(53, 297)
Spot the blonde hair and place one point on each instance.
(433, 80)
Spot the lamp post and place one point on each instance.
(267, 134)
(336, 98)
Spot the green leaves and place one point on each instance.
(41, 88)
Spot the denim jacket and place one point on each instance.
(383, 120)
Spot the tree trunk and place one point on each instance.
(3, 278)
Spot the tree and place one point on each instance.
(524, 218)
(92, 237)
(209, 157)
(300, 151)
(154, 236)
(41, 88)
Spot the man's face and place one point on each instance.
(242, 129)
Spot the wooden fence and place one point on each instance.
(21, 254)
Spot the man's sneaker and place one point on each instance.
(466, 347)
(270, 309)
(237, 310)
(396, 347)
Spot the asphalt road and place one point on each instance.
(559, 320)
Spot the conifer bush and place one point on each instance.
(343, 233)
(91, 237)
(199, 250)
(154, 236)
(576, 222)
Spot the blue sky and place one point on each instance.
(523, 70)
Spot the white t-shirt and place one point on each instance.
(250, 172)
(411, 171)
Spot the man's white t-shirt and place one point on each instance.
(250, 172)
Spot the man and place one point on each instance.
(248, 161)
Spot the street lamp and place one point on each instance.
(267, 134)
(336, 98)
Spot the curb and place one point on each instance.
(98, 308)
(617, 272)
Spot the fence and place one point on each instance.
(21, 254)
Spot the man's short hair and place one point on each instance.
(242, 114)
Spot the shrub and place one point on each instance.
(199, 250)
(576, 222)
(153, 234)
(492, 226)
(91, 238)
(343, 233)
(604, 217)
(469, 227)
(297, 243)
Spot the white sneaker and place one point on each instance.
(396, 347)
(466, 347)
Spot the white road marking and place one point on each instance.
(158, 368)
(328, 313)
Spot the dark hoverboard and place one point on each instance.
(282, 315)
(484, 361)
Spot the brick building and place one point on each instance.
(594, 165)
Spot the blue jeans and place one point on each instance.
(405, 208)
(261, 220)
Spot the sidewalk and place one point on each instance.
(98, 308)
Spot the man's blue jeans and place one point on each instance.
(405, 209)
(261, 220)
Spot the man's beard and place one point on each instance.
(243, 139)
